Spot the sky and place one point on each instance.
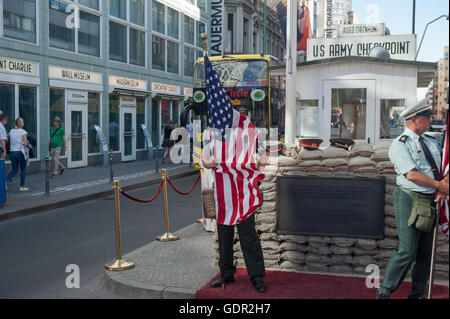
(397, 14)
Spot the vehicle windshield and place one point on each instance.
(239, 73)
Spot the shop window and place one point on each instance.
(307, 118)
(173, 23)
(189, 61)
(28, 111)
(391, 124)
(117, 42)
(137, 12)
(137, 47)
(158, 17)
(118, 8)
(93, 119)
(189, 30)
(89, 34)
(155, 121)
(114, 122)
(176, 113)
(172, 57)
(140, 119)
(61, 36)
(19, 20)
(165, 114)
(348, 113)
(57, 107)
(7, 104)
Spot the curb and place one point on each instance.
(83, 198)
(137, 290)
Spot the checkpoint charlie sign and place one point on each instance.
(401, 47)
(360, 30)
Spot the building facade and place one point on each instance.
(442, 85)
(112, 70)
(244, 29)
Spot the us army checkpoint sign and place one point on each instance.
(401, 47)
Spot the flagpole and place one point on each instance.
(291, 72)
(204, 38)
(436, 226)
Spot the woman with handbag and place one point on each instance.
(18, 142)
(167, 142)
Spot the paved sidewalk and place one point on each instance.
(82, 184)
(167, 270)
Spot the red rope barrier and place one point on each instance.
(188, 191)
(144, 200)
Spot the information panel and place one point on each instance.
(341, 207)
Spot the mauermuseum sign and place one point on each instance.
(401, 47)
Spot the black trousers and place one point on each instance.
(250, 245)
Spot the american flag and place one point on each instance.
(233, 140)
(444, 171)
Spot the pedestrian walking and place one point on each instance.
(56, 144)
(416, 157)
(167, 142)
(18, 142)
(3, 135)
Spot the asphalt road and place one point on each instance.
(35, 250)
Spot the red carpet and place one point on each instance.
(292, 285)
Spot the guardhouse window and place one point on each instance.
(391, 123)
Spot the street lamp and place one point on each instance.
(426, 27)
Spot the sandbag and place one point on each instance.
(387, 243)
(334, 152)
(294, 239)
(363, 260)
(342, 242)
(361, 148)
(295, 257)
(337, 250)
(334, 162)
(306, 155)
(272, 246)
(380, 154)
(269, 236)
(367, 244)
(359, 162)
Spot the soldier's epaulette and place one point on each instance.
(404, 138)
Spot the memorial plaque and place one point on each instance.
(341, 207)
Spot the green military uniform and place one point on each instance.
(407, 152)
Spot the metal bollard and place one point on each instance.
(111, 172)
(167, 236)
(119, 264)
(47, 174)
(157, 160)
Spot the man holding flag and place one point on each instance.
(233, 143)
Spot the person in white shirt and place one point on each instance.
(3, 136)
(18, 141)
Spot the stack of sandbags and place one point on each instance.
(287, 164)
(289, 150)
(442, 263)
(359, 162)
(364, 252)
(381, 157)
(293, 250)
(336, 159)
(310, 162)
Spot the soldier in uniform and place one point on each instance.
(416, 158)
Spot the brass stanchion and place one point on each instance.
(118, 264)
(167, 236)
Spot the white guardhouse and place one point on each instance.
(346, 93)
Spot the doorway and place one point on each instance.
(349, 107)
(128, 133)
(76, 132)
